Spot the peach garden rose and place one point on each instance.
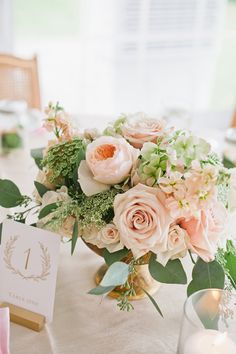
(142, 219)
(109, 161)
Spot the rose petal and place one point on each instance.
(87, 183)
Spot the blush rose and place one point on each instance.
(142, 219)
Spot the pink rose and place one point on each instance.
(204, 231)
(109, 161)
(176, 246)
(141, 129)
(142, 219)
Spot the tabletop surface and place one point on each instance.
(86, 324)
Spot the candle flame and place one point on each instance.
(216, 295)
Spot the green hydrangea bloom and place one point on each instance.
(153, 163)
(189, 148)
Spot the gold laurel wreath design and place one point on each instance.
(45, 261)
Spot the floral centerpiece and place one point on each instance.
(139, 194)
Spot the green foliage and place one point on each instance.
(206, 276)
(74, 237)
(212, 159)
(223, 186)
(117, 274)
(227, 259)
(10, 196)
(48, 209)
(153, 301)
(89, 211)
(101, 290)
(231, 266)
(172, 273)
(129, 288)
(37, 155)
(111, 258)
(41, 188)
(228, 163)
(123, 300)
(62, 159)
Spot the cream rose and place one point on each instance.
(109, 161)
(176, 246)
(108, 237)
(139, 129)
(61, 195)
(142, 219)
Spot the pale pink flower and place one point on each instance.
(172, 183)
(142, 219)
(60, 195)
(58, 122)
(201, 185)
(139, 129)
(204, 230)
(176, 245)
(180, 207)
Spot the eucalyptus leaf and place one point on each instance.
(172, 273)
(117, 274)
(10, 195)
(48, 209)
(100, 290)
(41, 188)
(206, 276)
(74, 237)
(37, 155)
(153, 302)
(111, 258)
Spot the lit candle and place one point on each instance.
(209, 341)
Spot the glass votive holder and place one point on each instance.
(209, 323)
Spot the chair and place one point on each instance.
(19, 80)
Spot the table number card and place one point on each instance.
(28, 267)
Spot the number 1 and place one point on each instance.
(27, 258)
